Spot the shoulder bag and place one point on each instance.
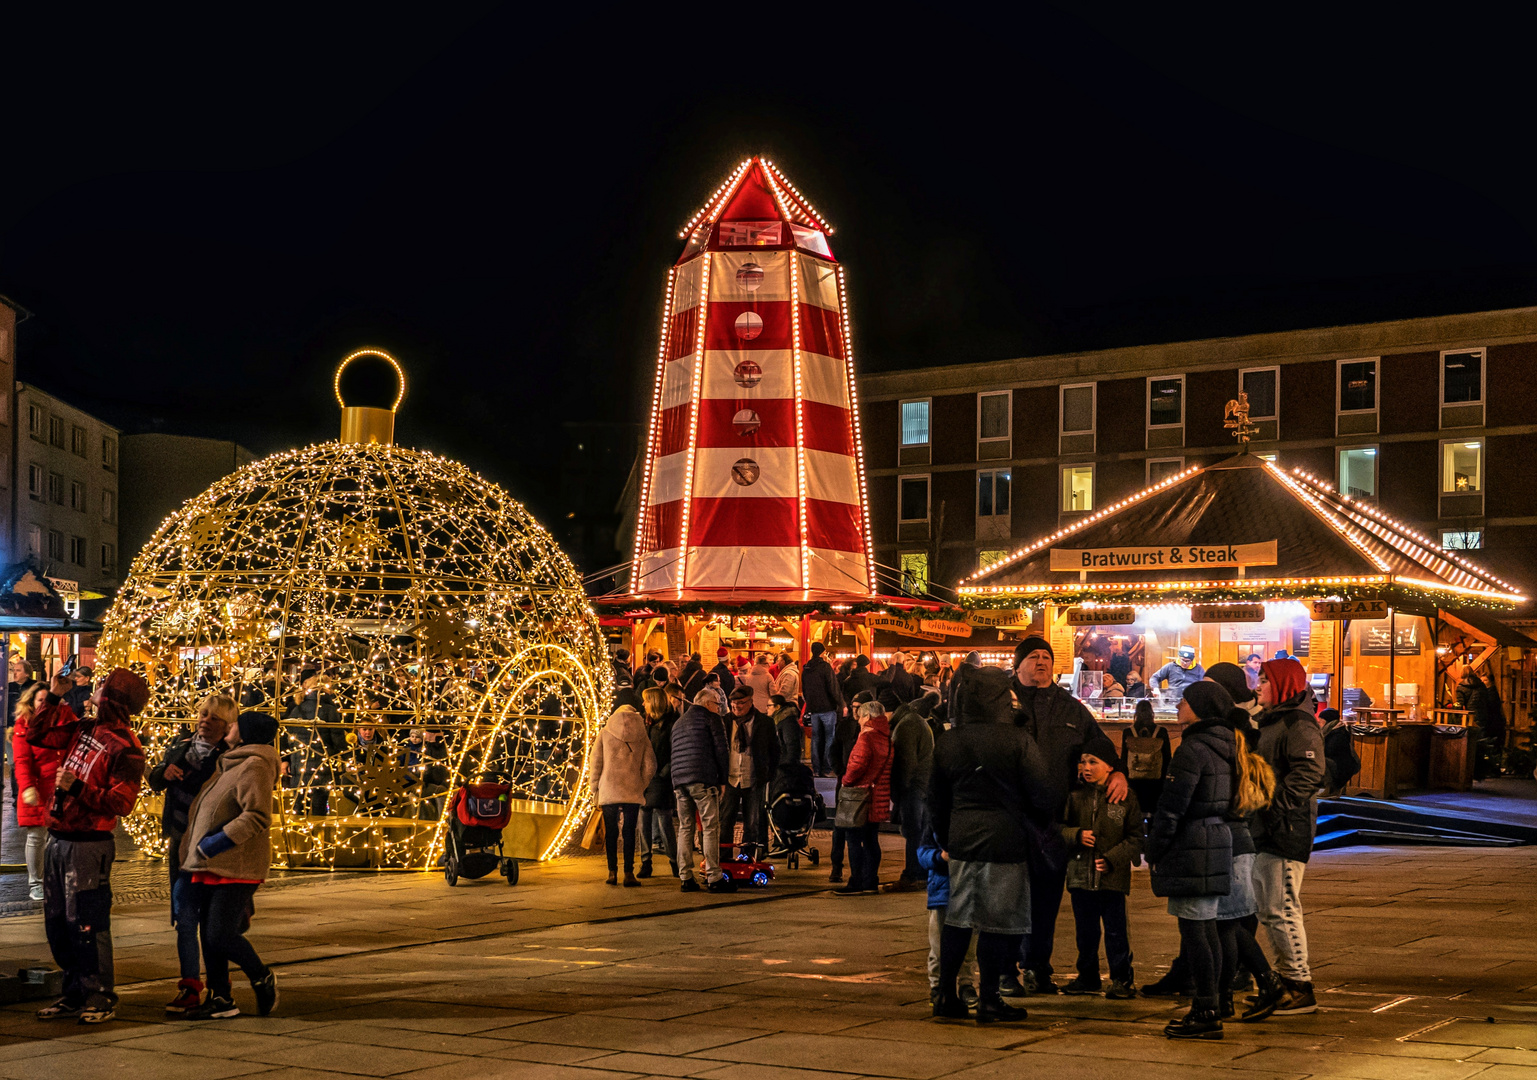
(854, 800)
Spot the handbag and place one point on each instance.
(853, 810)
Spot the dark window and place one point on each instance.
(993, 492)
(1260, 386)
(1077, 409)
(1358, 386)
(994, 418)
(1463, 378)
(1166, 402)
(913, 496)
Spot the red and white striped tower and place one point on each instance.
(754, 481)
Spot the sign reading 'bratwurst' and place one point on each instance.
(1172, 557)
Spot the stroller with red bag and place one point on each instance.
(477, 814)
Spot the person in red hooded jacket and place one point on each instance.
(869, 766)
(100, 769)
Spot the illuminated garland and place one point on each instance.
(427, 600)
(775, 609)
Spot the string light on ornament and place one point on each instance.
(424, 599)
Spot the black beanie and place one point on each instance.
(1101, 747)
(257, 728)
(1208, 700)
(888, 699)
(1028, 646)
(1232, 679)
(817, 648)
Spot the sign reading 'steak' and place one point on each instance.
(1170, 557)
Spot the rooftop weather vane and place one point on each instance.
(1236, 419)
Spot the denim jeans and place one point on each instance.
(619, 823)
(701, 800)
(1278, 892)
(824, 725)
(914, 806)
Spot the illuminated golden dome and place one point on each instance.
(421, 596)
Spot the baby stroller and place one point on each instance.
(794, 806)
(477, 814)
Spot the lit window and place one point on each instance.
(1358, 472)
(986, 559)
(1462, 539)
(1166, 402)
(993, 415)
(750, 233)
(1260, 385)
(1160, 469)
(993, 492)
(1358, 386)
(1462, 378)
(915, 573)
(1077, 409)
(1462, 467)
(915, 423)
(1077, 488)
(913, 498)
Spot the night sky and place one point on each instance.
(203, 218)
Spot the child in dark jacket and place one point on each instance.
(1105, 838)
(933, 860)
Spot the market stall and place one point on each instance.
(1244, 559)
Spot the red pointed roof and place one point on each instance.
(758, 192)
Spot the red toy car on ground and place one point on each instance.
(742, 867)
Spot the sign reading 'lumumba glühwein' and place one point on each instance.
(1170, 557)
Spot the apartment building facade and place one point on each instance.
(1430, 418)
(66, 491)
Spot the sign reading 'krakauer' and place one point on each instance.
(1172, 557)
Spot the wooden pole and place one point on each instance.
(1392, 657)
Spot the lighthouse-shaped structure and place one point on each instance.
(753, 484)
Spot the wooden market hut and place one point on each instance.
(1243, 556)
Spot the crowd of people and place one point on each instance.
(1010, 799)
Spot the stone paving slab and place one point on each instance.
(1425, 959)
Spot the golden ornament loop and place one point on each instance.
(400, 374)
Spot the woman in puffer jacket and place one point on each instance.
(35, 769)
(623, 763)
(1191, 850)
(227, 851)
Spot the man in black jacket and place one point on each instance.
(722, 669)
(989, 783)
(1060, 725)
(819, 686)
(900, 679)
(860, 680)
(752, 758)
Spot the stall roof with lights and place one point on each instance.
(1327, 545)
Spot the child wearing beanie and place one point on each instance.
(1105, 839)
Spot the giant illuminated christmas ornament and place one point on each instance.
(410, 625)
(753, 482)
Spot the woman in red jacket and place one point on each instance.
(869, 766)
(35, 769)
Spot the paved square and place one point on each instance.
(1425, 962)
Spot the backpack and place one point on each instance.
(1144, 757)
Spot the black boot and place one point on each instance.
(1271, 991)
(949, 1006)
(645, 868)
(1225, 1006)
(991, 1009)
(1174, 984)
(1199, 1023)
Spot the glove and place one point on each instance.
(214, 844)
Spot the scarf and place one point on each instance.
(198, 752)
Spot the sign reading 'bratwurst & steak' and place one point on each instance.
(1171, 557)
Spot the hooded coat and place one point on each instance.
(1293, 743)
(988, 776)
(1189, 844)
(106, 758)
(870, 766)
(623, 762)
(238, 803)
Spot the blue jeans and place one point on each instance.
(186, 913)
(824, 725)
